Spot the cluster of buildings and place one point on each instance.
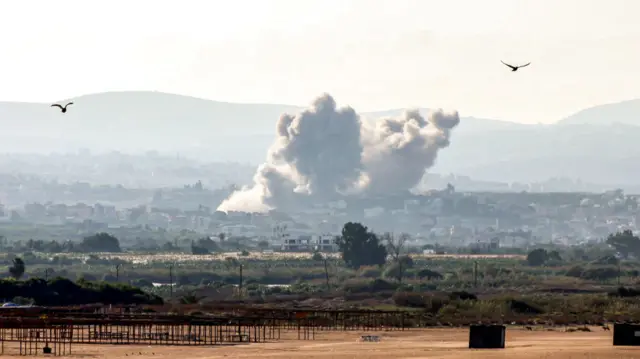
(482, 221)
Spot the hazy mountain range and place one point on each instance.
(598, 144)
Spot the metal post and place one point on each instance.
(475, 274)
(326, 274)
(240, 286)
(619, 272)
(118, 272)
(171, 281)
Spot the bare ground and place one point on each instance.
(415, 344)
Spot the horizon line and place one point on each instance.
(305, 106)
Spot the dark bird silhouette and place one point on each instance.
(515, 68)
(63, 109)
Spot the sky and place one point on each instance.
(369, 54)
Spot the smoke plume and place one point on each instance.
(325, 152)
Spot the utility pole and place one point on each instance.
(326, 274)
(475, 274)
(619, 272)
(240, 286)
(171, 281)
(46, 274)
(118, 272)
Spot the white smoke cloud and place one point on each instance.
(325, 152)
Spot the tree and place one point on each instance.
(429, 274)
(17, 268)
(198, 250)
(625, 243)
(395, 246)
(169, 247)
(208, 244)
(360, 247)
(554, 256)
(537, 257)
(406, 262)
(101, 242)
(398, 268)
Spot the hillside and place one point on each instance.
(595, 144)
(625, 112)
(133, 121)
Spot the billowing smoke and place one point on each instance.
(325, 152)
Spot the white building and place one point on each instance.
(325, 242)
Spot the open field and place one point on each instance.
(471, 256)
(415, 344)
(275, 256)
(181, 257)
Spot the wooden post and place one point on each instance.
(240, 286)
(326, 274)
(171, 281)
(475, 274)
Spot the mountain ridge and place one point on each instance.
(583, 116)
(586, 141)
(625, 112)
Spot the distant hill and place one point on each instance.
(598, 144)
(625, 112)
(134, 121)
(131, 121)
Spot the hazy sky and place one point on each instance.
(371, 54)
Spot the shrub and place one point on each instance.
(462, 296)
(428, 274)
(370, 272)
(518, 306)
(575, 271)
(600, 273)
(625, 293)
(368, 286)
(61, 291)
(409, 299)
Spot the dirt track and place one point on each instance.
(430, 343)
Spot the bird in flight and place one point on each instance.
(64, 109)
(515, 68)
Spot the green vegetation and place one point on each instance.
(359, 246)
(17, 268)
(61, 291)
(545, 284)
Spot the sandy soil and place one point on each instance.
(429, 343)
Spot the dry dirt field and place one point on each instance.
(428, 343)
